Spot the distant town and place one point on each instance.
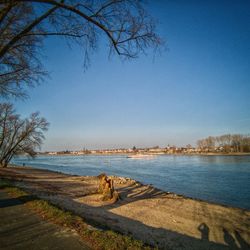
(154, 150)
(134, 150)
(224, 144)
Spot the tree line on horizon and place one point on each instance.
(225, 143)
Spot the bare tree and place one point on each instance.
(236, 142)
(18, 136)
(245, 144)
(200, 144)
(25, 23)
(210, 142)
(228, 142)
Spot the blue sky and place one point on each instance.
(200, 86)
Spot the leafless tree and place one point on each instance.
(18, 136)
(200, 144)
(228, 142)
(24, 24)
(236, 142)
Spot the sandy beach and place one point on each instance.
(158, 218)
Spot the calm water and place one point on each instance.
(220, 179)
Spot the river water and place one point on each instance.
(219, 179)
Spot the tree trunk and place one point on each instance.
(106, 188)
(3, 164)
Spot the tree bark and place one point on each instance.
(106, 188)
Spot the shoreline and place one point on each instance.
(238, 203)
(153, 154)
(157, 218)
(124, 179)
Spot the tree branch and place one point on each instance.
(26, 30)
(55, 34)
(79, 13)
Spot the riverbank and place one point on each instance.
(158, 218)
(160, 153)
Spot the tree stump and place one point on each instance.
(106, 188)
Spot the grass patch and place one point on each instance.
(95, 239)
(5, 183)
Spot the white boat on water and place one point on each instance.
(141, 156)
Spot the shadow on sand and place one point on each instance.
(163, 238)
(16, 201)
(103, 216)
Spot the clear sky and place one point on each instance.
(199, 87)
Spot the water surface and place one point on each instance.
(220, 179)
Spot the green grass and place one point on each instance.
(95, 239)
(5, 183)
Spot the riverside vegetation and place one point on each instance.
(227, 143)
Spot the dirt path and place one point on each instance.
(162, 219)
(22, 229)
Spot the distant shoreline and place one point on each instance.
(154, 154)
(220, 154)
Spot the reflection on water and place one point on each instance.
(221, 179)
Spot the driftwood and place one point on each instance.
(106, 188)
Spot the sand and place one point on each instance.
(158, 218)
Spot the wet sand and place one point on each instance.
(158, 218)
